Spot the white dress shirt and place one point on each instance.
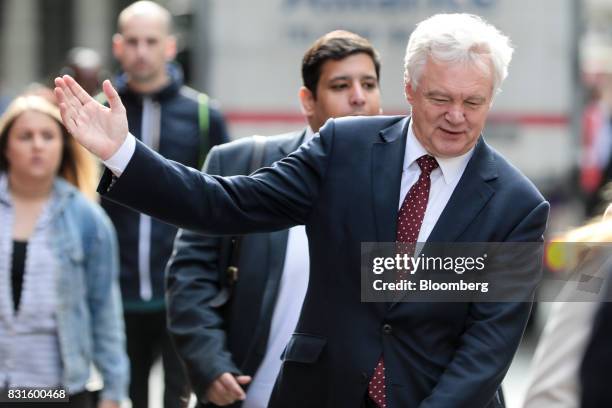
(444, 179)
(291, 293)
(119, 161)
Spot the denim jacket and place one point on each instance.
(89, 319)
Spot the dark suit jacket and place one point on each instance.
(233, 338)
(595, 367)
(344, 186)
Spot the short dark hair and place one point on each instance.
(335, 45)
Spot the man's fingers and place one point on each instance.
(60, 91)
(243, 379)
(114, 101)
(78, 92)
(232, 385)
(59, 94)
(608, 213)
(219, 394)
(65, 94)
(68, 117)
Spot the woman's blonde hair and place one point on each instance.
(597, 230)
(565, 252)
(78, 166)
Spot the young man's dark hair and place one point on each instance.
(335, 45)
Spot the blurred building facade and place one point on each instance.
(245, 54)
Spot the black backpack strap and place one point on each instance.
(229, 275)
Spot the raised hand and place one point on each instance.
(99, 129)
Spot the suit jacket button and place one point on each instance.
(364, 377)
(387, 329)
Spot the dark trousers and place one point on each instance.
(147, 340)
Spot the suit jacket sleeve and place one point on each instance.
(493, 333)
(274, 198)
(192, 281)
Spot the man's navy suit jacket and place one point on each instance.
(233, 337)
(344, 185)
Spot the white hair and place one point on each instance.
(457, 38)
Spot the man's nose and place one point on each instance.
(141, 48)
(455, 115)
(358, 95)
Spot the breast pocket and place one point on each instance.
(304, 348)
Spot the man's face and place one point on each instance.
(450, 106)
(347, 87)
(143, 48)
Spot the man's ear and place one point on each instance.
(307, 100)
(170, 48)
(409, 92)
(117, 45)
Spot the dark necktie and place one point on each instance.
(409, 220)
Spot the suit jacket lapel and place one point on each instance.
(387, 161)
(470, 196)
(277, 244)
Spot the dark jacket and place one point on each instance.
(346, 190)
(234, 337)
(180, 140)
(595, 367)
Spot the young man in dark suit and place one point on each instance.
(429, 177)
(238, 344)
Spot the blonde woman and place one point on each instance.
(60, 308)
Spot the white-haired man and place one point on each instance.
(429, 177)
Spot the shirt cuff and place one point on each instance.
(119, 161)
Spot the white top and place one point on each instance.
(119, 161)
(444, 179)
(29, 345)
(293, 285)
(291, 292)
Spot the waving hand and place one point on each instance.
(99, 129)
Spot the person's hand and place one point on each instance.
(608, 213)
(108, 404)
(99, 129)
(226, 389)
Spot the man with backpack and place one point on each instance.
(179, 123)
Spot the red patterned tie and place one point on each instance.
(409, 222)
